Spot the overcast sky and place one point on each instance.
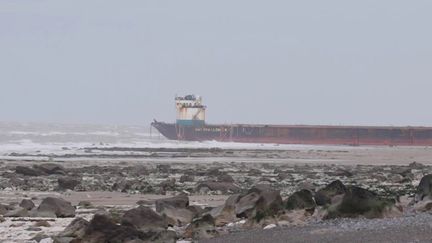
(363, 62)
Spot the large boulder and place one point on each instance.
(144, 219)
(68, 183)
(324, 196)
(226, 213)
(27, 171)
(180, 201)
(201, 228)
(178, 216)
(424, 189)
(223, 187)
(27, 204)
(260, 201)
(50, 168)
(57, 206)
(18, 212)
(302, 199)
(359, 202)
(76, 229)
(103, 229)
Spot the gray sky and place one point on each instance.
(313, 62)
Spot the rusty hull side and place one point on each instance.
(331, 135)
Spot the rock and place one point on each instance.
(163, 168)
(306, 185)
(27, 204)
(39, 237)
(76, 229)
(396, 178)
(168, 184)
(33, 229)
(213, 172)
(85, 204)
(424, 189)
(416, 165)
(28, 171)
(2, 219)
(19, 212)
(202, 228)
(187, 178)
(5, 208)
(359, 202)
(50, 168)
(177, 216)
(180, 201)
(224, 187)
(68, 183)
(225, 178)
(226, 213)
(42, 223)
(260, 201)
(324, 196)
(102, 229)
(58, 206)
(144, 219)
(300, 200)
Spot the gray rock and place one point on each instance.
(359, 202)
(324, 195)
(180, 201)
(226, 213)
(144, 219)
(68, 183)
(300, 200)
(27, 204)
(50, 168)
(424, 189)
(76, 229)
(260, 201)
(19, 212)
(23, 170)
(202, 228)
(58, 206)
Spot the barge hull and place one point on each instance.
(300, 134)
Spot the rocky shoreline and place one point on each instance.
(162, 204)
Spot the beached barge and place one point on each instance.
(190, 125)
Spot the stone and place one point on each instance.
(186, 178)
(76, 229)
(42, 223)
(27, 204)
(58, 206)
(325, 195)
(50, 168)
(201, 228)
(85, 204)
(359, 202)
(302, 199)
(19, 212)
(177, 216)
(102, 229)
(261, 201)
(68, 183)
(226, 213)
(424, 189)
(27, 171)
(180, 201)
(144, 219)
(225, 178)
